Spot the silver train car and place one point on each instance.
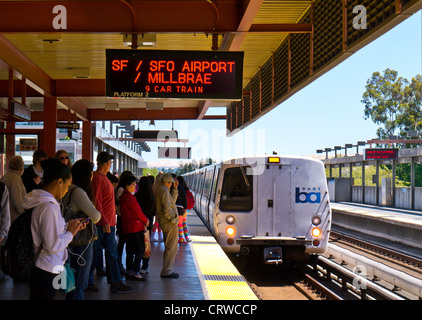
(275, 208)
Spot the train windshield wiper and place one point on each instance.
(244, 176)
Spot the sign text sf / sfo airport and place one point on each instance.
(174, 74)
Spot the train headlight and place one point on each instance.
(316, 220)
(316, 232)
(230, 231)
(230, 219)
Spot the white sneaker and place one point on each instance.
(154, 236)
(143, 271)
(138, 277)
(160, 237)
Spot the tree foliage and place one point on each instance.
(186, 167)
(393, 102)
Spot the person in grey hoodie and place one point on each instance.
(49, 229)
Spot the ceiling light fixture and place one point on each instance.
(144, 40)
(81, 73)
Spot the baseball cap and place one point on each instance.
(104, 157)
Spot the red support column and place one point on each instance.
(50, 121)
(87, 140)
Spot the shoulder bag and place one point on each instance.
(84, 236)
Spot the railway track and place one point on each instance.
(393, 275)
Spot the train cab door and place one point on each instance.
(274, 209)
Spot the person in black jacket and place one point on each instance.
(145, 198)
(32, 176)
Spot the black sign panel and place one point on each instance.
(379, 154)
(174, 74)
(68, 125)
(155, 134)
(21, 111)
(174, 153)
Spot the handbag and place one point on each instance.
(147, 242)
(84, 236)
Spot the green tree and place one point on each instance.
(385, 100)
(410, 118)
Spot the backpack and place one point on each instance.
(2, 187)
(190, 199)
(19, 248)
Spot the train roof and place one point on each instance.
(253, 159)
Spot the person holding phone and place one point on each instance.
(80, 195)
(49, 230)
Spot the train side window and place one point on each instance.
(193, 185)
(207, 183)
(237, 190)
(201, 182)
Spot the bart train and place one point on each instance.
(276, 208)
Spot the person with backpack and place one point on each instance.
(50, 233)
(190, 202)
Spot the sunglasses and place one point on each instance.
(64, 157)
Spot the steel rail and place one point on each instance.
(361, 283)
(379, 249)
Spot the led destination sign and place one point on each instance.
(381, 153)
(174, 74)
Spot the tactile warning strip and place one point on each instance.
(219, 278)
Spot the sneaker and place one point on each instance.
(143, 271)
(182, 240)
(172, 275)
(160, 237)
(138, 277)
(117, 287)
(101, 273)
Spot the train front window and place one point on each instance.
(237, 189)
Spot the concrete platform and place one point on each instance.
(399, 225)
(205, 274)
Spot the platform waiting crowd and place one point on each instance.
(79, 216)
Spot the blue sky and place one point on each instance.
(326, 113)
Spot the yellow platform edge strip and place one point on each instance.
(211, 260)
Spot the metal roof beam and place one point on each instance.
(143, 114)
(140, 16)
(233, 41)
(14, 58)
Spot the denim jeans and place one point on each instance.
(108, 242)
(82, 264)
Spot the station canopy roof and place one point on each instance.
(286, 45)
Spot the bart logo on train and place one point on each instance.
(308, 197)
